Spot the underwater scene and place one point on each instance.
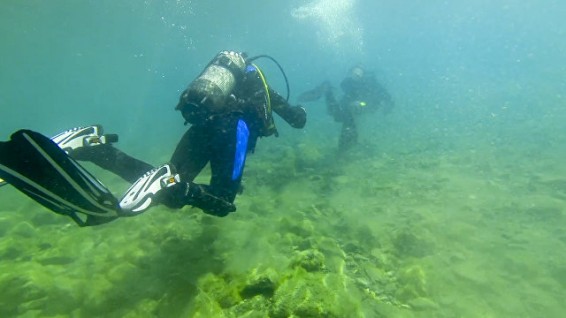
(451, 202)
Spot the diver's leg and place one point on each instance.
(348, 134)
(114, 160)
(229, 150)
(332, 106)
(192, 152)
(215, 141)
(225, 145)
(197, 147)
(223, 142)
(91, 144)
(163, 184)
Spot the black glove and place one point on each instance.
(296, 116)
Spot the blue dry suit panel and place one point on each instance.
(242, 136)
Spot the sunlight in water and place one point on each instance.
(336, 23)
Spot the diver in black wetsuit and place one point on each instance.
(362, 95)
(228, 106)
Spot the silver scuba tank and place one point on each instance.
(209, 93)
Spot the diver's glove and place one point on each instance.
(296, 116)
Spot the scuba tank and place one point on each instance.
(211, 91)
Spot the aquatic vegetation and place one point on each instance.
(332, 252)
(412, 282)
(260, 282)
(309, 156)
(310, 260)
(408, 244)
(307, 294)
(220, 289)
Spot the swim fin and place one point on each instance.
(39, 168)
(80, 137)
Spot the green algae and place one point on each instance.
(353, 242)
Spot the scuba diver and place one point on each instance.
(228, 106)
(362, 94)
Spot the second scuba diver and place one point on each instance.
(362, 94)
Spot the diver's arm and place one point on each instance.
(296, 116)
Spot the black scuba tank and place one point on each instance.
(211, 91)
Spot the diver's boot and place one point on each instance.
(199, 196)
(196, 195)
(79, 137)
(142, 193)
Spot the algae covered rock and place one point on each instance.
(260, 282)
(17, 290)
(303, 228)
(313, 295)
(311, 260)
(412, 282)
(219, 290)
(256, 307)
(309, 155)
